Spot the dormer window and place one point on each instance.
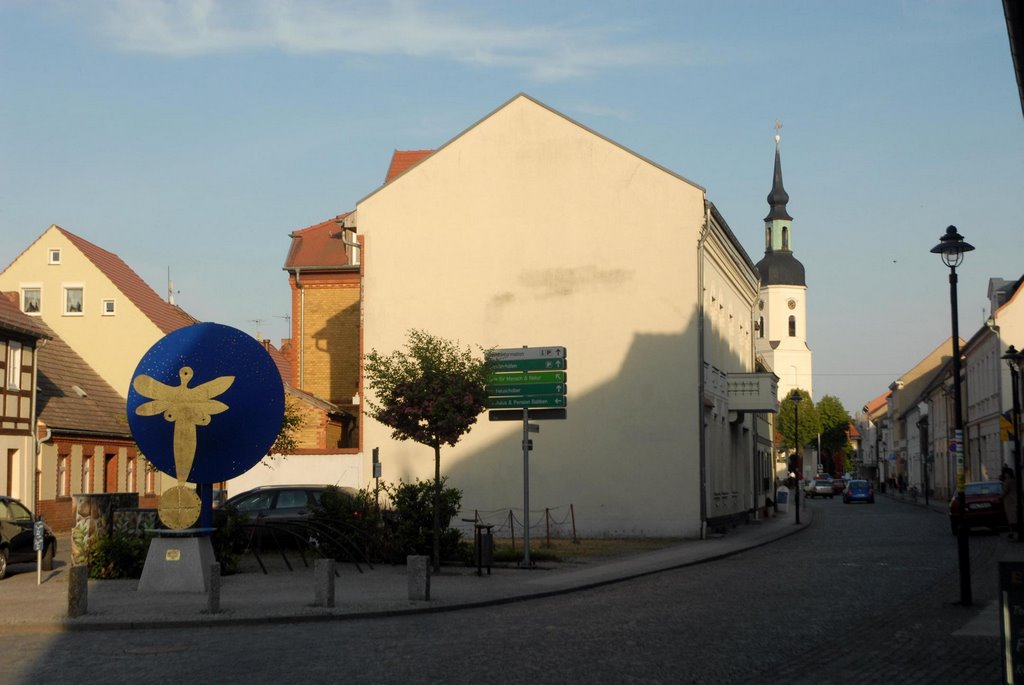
(54, 255)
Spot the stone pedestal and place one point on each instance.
(419, 577)
(94, 518)
(78, 590)
(323, 573)
(213, 596)
(178, 562)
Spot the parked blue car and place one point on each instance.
(859, 491)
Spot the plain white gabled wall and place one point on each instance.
(530, 230)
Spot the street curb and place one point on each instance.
(73, 625)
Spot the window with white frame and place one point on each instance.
(13, 365)
(74, 299)
(31, 299)
(55, 255)
(108, 308)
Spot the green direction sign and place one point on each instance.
(525, 402)
(526, 377)
(527, 389)
(527, 365)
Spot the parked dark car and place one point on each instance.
(859, 491)
(17, 536)
(984, 501)
(280, 503)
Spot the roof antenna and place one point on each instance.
(170, 288)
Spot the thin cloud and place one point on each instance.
(190, 28)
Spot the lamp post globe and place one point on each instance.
(951, 248)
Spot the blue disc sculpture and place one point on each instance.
(206, 403)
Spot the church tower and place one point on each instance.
(782, 307)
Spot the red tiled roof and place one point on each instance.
(167, 317)
(877, 403)
(402, 160)
(12, 318)
(281, 361)
(320, 246)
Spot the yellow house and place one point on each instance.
(528, 229)
(103, 317)
(93, 301)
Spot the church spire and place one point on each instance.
(779, 266)
(778, 198)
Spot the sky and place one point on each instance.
(193, 137)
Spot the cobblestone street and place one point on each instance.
(867, 594)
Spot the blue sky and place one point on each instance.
(196, 135)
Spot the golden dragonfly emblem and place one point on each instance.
(185, 407)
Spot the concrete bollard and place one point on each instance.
(323, 577)
(78, 590)
(213, 594)
(419, 577)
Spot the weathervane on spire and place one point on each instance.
(778, 126)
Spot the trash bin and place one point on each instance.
(782, 500)
(484, 547)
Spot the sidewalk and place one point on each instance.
(284, 596)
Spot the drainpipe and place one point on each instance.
(700, 371)
(302, 327)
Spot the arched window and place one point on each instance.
(767, 238)
(760, 328)
(792, 326)
(785, 237)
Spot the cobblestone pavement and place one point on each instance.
(867, 594)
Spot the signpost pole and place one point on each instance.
(526, 487)
(38, 542)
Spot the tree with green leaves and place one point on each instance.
(810, 423)
(291, 423)
(835, 426)
(430, 393)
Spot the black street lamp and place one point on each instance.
(1015, 360)
(952, 247)
(794, 397)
